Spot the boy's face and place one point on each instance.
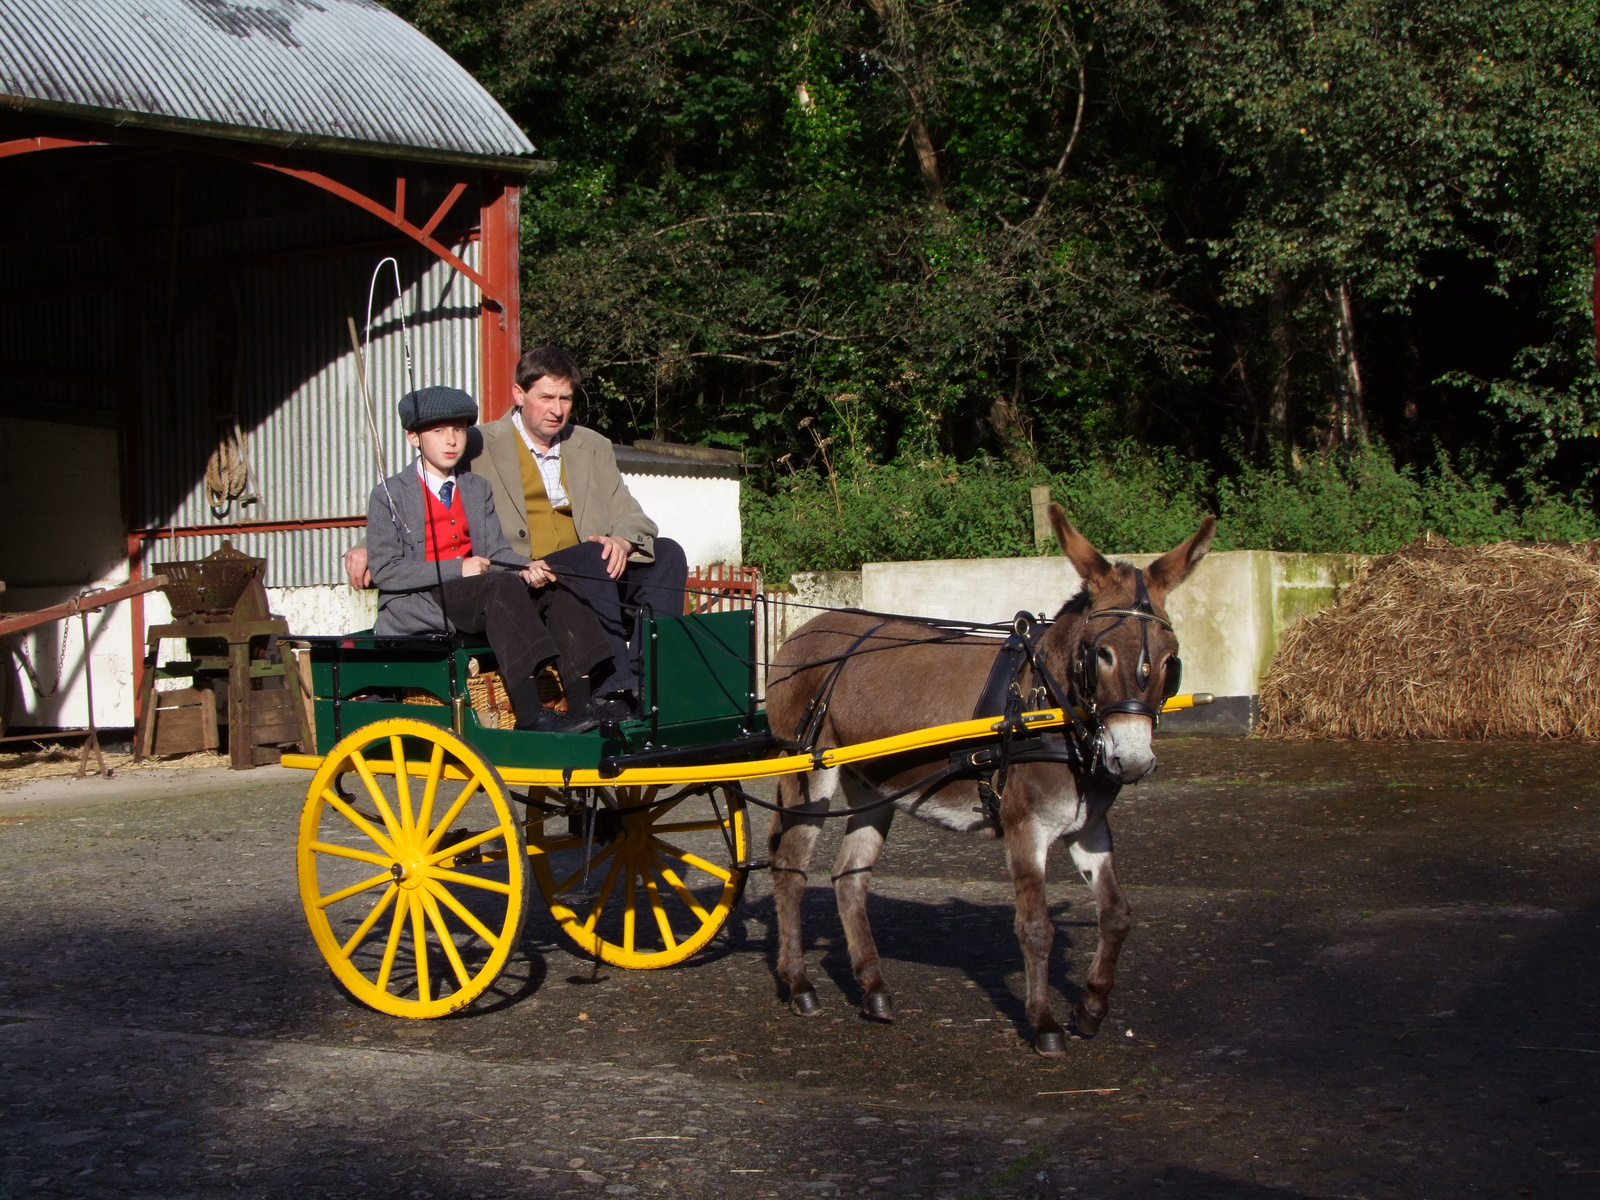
(441, 446)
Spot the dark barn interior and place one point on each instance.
(194, 207)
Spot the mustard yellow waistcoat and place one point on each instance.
(549, 528)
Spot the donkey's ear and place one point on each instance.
(1173, 567)
(1091, 565)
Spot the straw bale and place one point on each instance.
(1500, 641)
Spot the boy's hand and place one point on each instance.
(474, 564)
(538, 573)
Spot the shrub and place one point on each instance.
(1363, 503)
(982, 509)
(1136, 500)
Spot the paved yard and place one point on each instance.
(1356, 971)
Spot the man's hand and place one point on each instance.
(355, 568)
(474, 564)
(537, 573)
(616, 551)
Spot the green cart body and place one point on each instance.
(697, 691)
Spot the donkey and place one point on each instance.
(899, 675)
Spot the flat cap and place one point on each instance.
(435, 405)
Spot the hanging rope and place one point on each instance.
(228, 475)
(227, 472)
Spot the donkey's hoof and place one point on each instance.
(804, 1003)
(1051, 1043)
(878, 1006)
(1084, 1023)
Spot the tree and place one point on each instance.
(866, 231)
(1370, 147)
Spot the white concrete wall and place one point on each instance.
(309, 610)
(110, 654)
(701, 515)
(319, 611)
(63, 534)
(1228, 615)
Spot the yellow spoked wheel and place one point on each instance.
(413, 868)
(662, 874)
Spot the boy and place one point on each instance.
(442, 564)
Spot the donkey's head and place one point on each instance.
(1114, 641)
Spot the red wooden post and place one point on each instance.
(500, 325)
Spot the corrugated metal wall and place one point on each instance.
(298, 398)
(168, 295)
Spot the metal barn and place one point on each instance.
(193, 198)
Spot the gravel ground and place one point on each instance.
(1355, 971)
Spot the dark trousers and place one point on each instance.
(527, 629)
(658, 585)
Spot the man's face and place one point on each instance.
(546, 406)
(441, 446)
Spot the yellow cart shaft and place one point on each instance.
(767, 768)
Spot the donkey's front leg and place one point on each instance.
(1116, 918)
(1027, 848)
(789, 847)
(852, 876)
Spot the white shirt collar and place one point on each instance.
(428, 481)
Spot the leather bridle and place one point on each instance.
(1086, 675)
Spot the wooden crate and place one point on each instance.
(185, 722)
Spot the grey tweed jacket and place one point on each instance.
(397, 554)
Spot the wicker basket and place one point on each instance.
(486, 692)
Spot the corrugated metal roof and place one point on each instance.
(346, 70)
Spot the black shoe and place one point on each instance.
(548, 720)
(612, 710)
(614, 706)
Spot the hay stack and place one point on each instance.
(1443, 641)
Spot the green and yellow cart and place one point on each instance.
(426, 827)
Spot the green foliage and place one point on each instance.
(1373, 148)
(1363, 503)
(1133, 502)
(861, 235)
(1125, 504)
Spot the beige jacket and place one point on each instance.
(601, 502)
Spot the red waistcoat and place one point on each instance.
(447, 534)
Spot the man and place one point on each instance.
(577, 515)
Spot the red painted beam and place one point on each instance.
(317, 179)
(30, 145)
(443, 210)
(86, 602)
(166, 532)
